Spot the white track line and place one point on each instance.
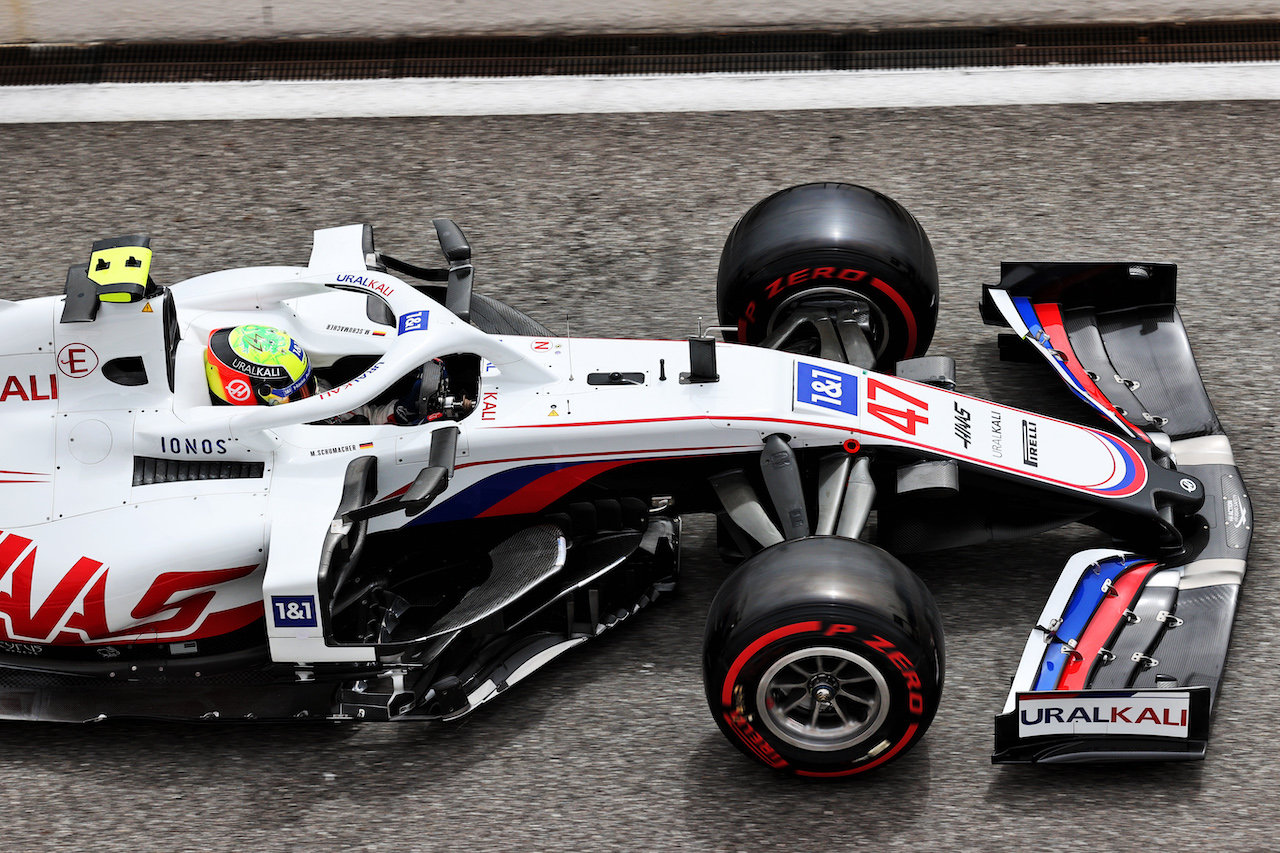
(112, 102)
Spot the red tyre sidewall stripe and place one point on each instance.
(907, 313)
(726, 695)
(908, 316)
(787, 631)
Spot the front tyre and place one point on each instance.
(815, 247)
(823, 657)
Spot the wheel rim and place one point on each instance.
(879, 323)
(823, 699)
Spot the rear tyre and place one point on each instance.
(823, 657)
(815, 243)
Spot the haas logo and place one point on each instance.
(171, 607)
(239, 390)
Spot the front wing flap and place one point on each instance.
(1104, 725)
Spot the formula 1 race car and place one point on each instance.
(167, 555)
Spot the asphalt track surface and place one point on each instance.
(613, 224)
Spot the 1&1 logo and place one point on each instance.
(831, 389)
(414, 321)
(294, 611)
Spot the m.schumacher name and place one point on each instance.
(329, 451)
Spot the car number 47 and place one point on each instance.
(904, 420)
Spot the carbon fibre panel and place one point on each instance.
(1148, 345)
(1086, 342)
(1135, 637)
(499, 318)
(1193, 654)
(526, 559)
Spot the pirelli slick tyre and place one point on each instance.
(823, 657)
(823, 241)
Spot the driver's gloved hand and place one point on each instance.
(404, 414)
(406, 409)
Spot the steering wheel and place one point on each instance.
(431, 389)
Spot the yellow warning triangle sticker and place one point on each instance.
(553, 413)
(146, 309)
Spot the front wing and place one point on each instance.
(1127, 657)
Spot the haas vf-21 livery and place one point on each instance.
(358, 490)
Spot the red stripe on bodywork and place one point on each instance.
(180, 614)
(1139, 481)
(1050, 317)
(1127, 588)
(215, 625)
(728, 418)
(226, 621)
(550, 487)
(648, 453)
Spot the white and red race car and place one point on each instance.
(163, 556)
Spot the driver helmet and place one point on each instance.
(257, 365)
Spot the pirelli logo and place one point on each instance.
(1030, 445)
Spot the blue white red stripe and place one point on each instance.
(1114, 607)
(1044, 327)
(534, 484)
(1088, 594)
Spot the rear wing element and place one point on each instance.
(1127, 656)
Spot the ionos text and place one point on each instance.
(193, 446)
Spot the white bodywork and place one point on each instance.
(88, 557)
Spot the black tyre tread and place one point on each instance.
(862, 587)
(791, 232)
